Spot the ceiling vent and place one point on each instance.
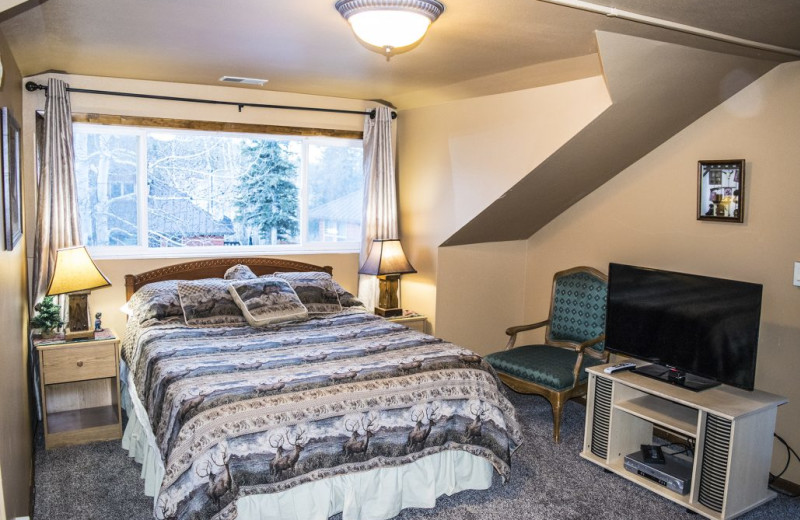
(243, 81)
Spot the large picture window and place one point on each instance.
(166, 192)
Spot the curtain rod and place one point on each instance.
(30, 86)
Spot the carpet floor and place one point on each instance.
(549, 482)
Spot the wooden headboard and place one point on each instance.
(214, 268)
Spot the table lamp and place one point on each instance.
(76, 275)
(387, 261)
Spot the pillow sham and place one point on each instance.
(239, 272)
(208, 302)
(346, 298)
(155, 302)
(316, 291)
(267, 300)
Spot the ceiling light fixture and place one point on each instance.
(390, 25)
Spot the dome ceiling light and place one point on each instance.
(389, 25)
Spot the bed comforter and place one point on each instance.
(237, 411)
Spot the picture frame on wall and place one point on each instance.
(720, 190)
(12, 193)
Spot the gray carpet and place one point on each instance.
(549, 481)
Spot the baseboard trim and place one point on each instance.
(786, 486)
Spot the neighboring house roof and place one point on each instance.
(343, 209)
(177, 215)
(171, 216)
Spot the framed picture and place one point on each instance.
(12, 195)
(720, 190)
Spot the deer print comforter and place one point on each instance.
(239, 410)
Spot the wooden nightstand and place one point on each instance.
(80, 389)
(418, 322)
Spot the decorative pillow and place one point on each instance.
(267, 300)
(239, 272)
(208, 302)
(316, 291)
(346, 298)
(155, 301)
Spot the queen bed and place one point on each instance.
(259, 388)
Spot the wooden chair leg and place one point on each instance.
(558, 404)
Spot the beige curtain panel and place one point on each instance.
(380, 194)
(57, 223)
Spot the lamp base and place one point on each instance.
(78, 324)
(388, 313)
(73, 335)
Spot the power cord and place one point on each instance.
(789, 452)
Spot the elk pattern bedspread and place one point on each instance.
(239, 410)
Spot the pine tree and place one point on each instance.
(268, 195)
(48, 316)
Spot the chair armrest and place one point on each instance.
(513, 331)
(580, 348)
(594, 341)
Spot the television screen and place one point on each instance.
(687, 325)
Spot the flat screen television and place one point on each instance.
(697, 331)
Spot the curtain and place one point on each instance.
(57, 223)
(380, 194)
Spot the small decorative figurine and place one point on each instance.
(98, 326)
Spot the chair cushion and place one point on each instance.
(543, 365)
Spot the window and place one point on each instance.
(167, 192)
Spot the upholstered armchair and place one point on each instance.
(574, 340)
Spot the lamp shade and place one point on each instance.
(75, 271)
(386, 257)
(390, 24)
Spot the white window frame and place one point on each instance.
(143, 251)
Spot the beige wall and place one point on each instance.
(15, 431)
(454, 160)
(109, 300)
(646, 216)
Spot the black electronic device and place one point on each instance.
(674, 473)
(652, 454)
(698, 331)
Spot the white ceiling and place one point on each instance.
(476, 46)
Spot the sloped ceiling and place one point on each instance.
(656, 90)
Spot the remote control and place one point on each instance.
(652, 454)
(618, 367)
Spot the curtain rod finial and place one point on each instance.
(372, 113)
(30, 86)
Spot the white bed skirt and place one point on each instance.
(376, 494)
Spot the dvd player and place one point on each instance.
(674, 473)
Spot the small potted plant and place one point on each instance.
(48, 317)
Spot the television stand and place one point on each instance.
(676, 377)
(732, 430)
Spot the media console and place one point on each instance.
(732, 430)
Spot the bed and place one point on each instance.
(298, 416)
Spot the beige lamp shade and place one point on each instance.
(386, 257)
(75, 271)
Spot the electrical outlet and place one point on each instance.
(797, 274)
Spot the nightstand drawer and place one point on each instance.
(79, 363)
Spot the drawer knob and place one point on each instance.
(80, 363)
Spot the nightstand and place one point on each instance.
(417, 322)
(80, 389)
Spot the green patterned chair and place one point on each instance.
(574, 340)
